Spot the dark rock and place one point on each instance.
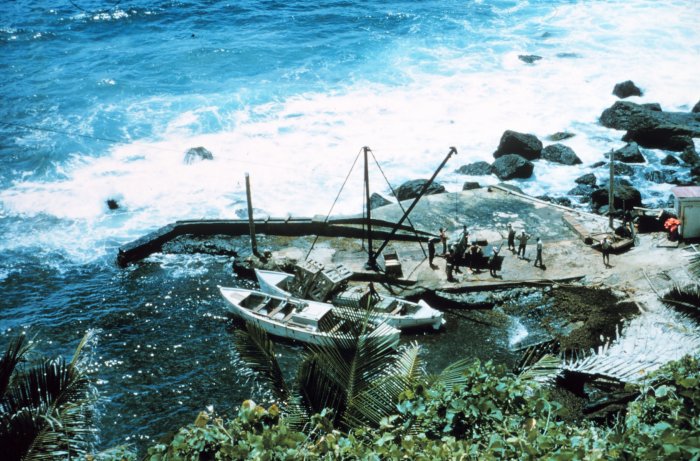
(582, 190)
(625, 197)
(511, 187)
(599, 164)
(696, 108)
(655, 106)
(559, 153)
(622, 169)
(197, 153)
(563, 201)
(560, 136)
(512, 166)
(376, 201)
(469, 185)
(628, 154)
(695, 171)
(525, 145)
(617, 181)
(626, 89)
(626, 115)
(670, 160)
(659, 139)
(690, 157)
(112, 204)
(411, 189)
(529, 58)
(475, 169)
(660, 176)
(587, 179)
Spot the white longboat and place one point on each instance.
(328, 286)
(306, 321)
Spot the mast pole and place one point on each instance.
(611, 192)
(371, 259)
(251, 221)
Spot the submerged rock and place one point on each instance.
(475, 169)
(626, 89)
(559, 153)
(525, 145)
(529, 58)
(661, 176)
(670, 160)
(197, 153)
(411, 189)
(560, 136)
(628, 154)
(512, 166)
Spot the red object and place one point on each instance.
(672, 224)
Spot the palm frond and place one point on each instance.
(544, 370)
(453, 375)
(685, 298)
(15, 352)
(694, 266)
(257, 350)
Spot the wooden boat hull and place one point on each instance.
(306, 334)
(423, 315)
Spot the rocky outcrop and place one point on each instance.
(411, 189)
(197, 153)
(376, 201)
(621, 169)
(475, 169)
(659, 139)
(512, 166)
(626, 89)
(628, 154)
(588, 179)
(559, 153)
(625, 115)
(525, 145)
(661, 176)
(623, 197)
(696, 108)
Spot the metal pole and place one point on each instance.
(611, 193)
(251, 221)
(372, 259)
(453, 151)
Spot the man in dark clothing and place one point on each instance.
(449, 265)
(431, 252)
(493, 262)
(443, 238)
(474, 257)
(511, 238)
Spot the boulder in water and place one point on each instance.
(512, 166)
(475, 169)
(626, 89)
(470, 185)
(625, 197)
(559, 153)
(522, 144)
(587, 179)
(628, 154)
(529, 58)
(112, 204)
(197, 153)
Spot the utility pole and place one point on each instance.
(251, 221)
(372, 258)
(611, 193)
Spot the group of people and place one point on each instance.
(522, 245)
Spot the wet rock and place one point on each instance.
(624, 197)
(670, 160)
(411, 189)
(211, 245)
(112, 204)
(525, 145)
(626, 89)
(529, 58)
(690, 157)
(622, 169)
(475, 169)
(598, 164)
(560, 136)
(559, 153)
(660, 176)
(618, 181)
(626, 115)
(512, 166)
(653, 106)
(470, 185)
(582, 190)
(376, 201)
(197, 153)
(563, 201)
(511, 187)
(696, 108)
(568, 55)
(628, 154)
(587, 179)
(659, 138)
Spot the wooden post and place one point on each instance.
(251, 221)
(372, 259)
(611, 193)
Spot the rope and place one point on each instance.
(336, 200)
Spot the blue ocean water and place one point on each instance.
(101, 99)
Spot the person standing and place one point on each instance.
(538, 259)
(431, 251)
(493, 262)
(511, 238)
(522, 244)
(605, 248)
(449, 265)
(443, 239)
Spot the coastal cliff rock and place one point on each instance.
(376, 201)
(623, 196)
(525, 145)
(626, 89)
(475, 169)
(411, 189)
(512, 166)
(194, 154)
(559, 153)
(628, 154)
